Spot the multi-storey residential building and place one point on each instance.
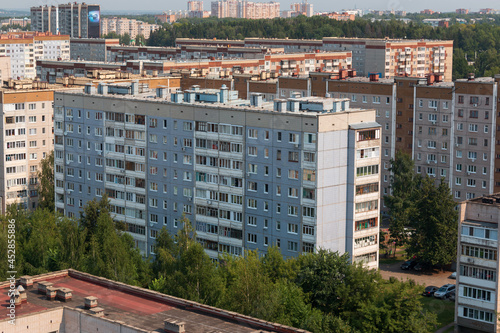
(4, 68)
(388, 57)
(91, 49)
(24, 49)
(27, 137)
(122, 26)
(245, 9)
(453, 136)
(301, 173)
(476, 306)
(119, 53)
(282, 64)
(16, 21)
(73, 19)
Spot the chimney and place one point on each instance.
(22, 294)
(51, 293)
(279, 105)
(26, 281)
(256, 99)
(173, 325)
(373, 77)
(97, 311)
(177, 97)
(42, 287)
(471, 76)
(161, 92)
(292, 105)
(134, 88)
(88, 89)
(430, 79)
(224, 94)
(90, 302)
(102, 88)
(64, 294)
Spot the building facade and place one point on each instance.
(247, 176)
(91, 49)
(123, 25)
(476, 305)
(73, 19)
(24, 49)
(27, 138)
(245, 9)
(388, 57)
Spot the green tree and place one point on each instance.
(400, 201)
(435, 224)
(140, 40)
(45, 186)
(125, 39)
(334, 284)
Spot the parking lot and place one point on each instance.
(427, 278)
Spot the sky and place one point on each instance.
(319, 5)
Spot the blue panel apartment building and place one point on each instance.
(301, 173)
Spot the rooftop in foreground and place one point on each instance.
(132, 308)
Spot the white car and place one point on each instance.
(453, 275)
(444, 291)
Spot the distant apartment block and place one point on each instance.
(476, 306)
(170, 16)
(119, 53)
(281, 64)
(27, 137)
(91, 49)
(300, 173)
(73, 19)
(245, 9)
(428, 12)
(388, 57)
(462, 11)
(301, 8)
(340, 16)
(16, 21)
(195, 9)
(4, 68)
(122, 26)
(25, 48)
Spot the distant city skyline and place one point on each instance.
(319, 5)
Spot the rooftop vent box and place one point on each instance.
(42, 287)
(90, 302)
(26, 281)
(173, 325)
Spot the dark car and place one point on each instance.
(451, 296)
(408, 264)
(429, 291)
(421, 266)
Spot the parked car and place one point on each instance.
(444, 291)
(453, 275)
(451, 296)
(429, 291)
(407, 265)
(421, 266)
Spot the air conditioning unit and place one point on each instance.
(473, 159)
(99, 152)
(68, 162)
(297, 145)
(65, 133)
(475, 105)
(183, 148)
(190, 199)
(209, 202)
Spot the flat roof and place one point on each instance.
(491, 200)
(369, 124)
(138, 307)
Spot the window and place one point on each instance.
(293, 246)
(252, 133)
(366, 206)
(293, 156)
(252, 238)
(366, 224)
(293, 228)
(368, 135)
(367, 170)
(252, 151)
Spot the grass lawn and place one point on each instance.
(444, 309)
(391, 259)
